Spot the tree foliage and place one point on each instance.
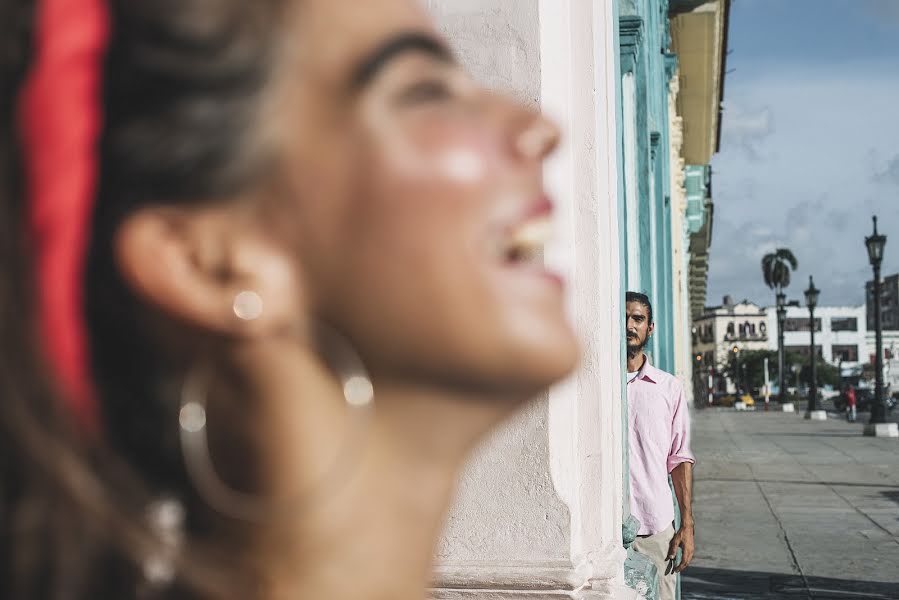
(777, 267)
(748, 369)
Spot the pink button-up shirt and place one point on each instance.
(659, 441)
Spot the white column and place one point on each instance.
(631, 193)
(683, 339)
(585, 415)
(539, 512)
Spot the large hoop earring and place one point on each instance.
(358, 393)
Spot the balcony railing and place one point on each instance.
(746, 337)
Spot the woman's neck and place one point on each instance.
(373, 531)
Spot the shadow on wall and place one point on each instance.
(700, 583)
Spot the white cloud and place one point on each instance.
(888, 173)
(808, 154)
(746, 129)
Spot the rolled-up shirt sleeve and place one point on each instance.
(680, 433)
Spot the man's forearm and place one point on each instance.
(682, 478)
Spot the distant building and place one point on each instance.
(889, 323)
(719, 330)
(890, 343)
(889, 303)
(840, 334)
(841, 338)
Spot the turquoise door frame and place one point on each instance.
(648, 257)
(643, 43)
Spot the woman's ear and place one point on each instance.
(209, 268)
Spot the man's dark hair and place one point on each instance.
(642, 299)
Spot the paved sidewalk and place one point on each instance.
(788, 508)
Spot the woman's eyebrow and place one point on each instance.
(410, 41)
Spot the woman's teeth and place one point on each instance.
(526, 242)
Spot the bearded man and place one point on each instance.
(659, 425)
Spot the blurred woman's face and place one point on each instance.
(420, 211)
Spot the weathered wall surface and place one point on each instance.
(540, 507)
(507, 510)
(498, 40)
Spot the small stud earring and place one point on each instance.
(248, 306)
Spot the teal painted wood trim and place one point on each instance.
(671, 64)
(630, 32)
(697, 180)
(644, 44)
(654, 253)
(622, 253)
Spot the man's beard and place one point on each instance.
(636, 348)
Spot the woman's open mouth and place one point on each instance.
(525, 243)
(521, 245)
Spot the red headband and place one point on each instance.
(61, 117)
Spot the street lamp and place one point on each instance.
(875, 243)
(736, 371)
(811, 300)
(781, 317)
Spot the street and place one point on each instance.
(787, 508)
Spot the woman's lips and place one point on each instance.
(525, 237)
(522, 244)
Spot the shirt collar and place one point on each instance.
(647, 372)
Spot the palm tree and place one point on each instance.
(776, 269)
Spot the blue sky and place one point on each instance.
(810, 146)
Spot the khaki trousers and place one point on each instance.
(655, 547)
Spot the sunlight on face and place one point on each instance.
(412, 187)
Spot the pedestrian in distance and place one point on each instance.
(659, 436)
(851, 403)
(269, 271)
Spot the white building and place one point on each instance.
(890, 343)
(733, 324)
(721, 329)
(840, 334)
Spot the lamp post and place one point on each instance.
(736, 371)
(781, 317)
(840, 375)
(875, 243)
(811, 300)
(698, 382)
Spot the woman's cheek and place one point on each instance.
(460, 154)
(461, 165)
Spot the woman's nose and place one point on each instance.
(538, 139)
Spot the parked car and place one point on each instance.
(718, 398)
(863, 399)
(730, 399)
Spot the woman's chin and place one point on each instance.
(537, 371)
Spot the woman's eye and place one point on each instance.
(426, 91)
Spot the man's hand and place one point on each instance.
(682, 539)
(682, 478)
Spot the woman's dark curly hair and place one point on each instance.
(184, 87)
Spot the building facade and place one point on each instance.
(841, 337)
(719, 332)
(890, 342)
(889, 323)
(542, 504)
(889, 303)
(539, 511)
(840, 334)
